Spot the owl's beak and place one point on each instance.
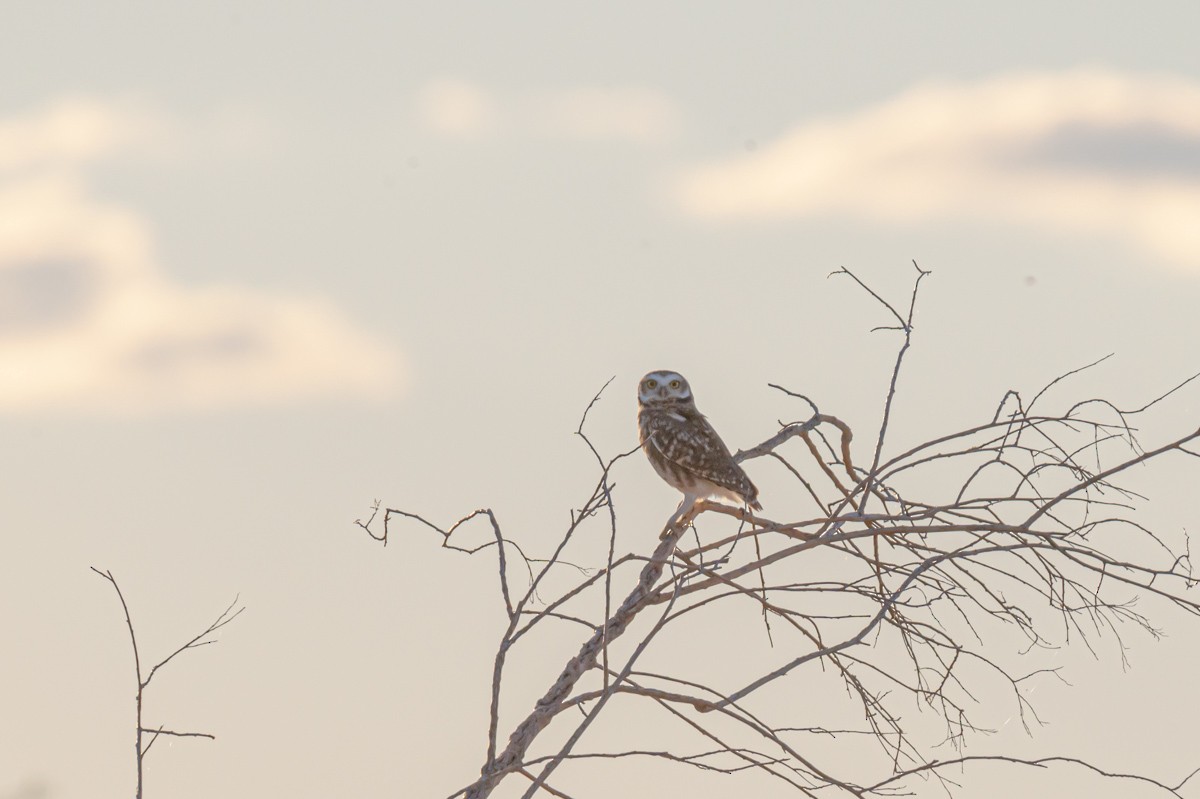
(662, 391)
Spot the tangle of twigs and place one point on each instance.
(1030, 535)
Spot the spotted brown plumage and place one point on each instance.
(684, 448)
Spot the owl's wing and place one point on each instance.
(694, 446)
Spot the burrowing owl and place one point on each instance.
(683, 447)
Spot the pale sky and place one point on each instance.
(262, 264)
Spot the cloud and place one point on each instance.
(628, 114)
(455, 108)
(1087, 151)
(71, 131)
(90, 322)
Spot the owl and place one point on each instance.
(683, 447)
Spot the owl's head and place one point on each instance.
(664, 387)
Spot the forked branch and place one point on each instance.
(141, 745)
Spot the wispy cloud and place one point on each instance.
(456, 108)
(71, 131)
(1088, 151)
(633, 114)
(630, 114)
(90, 322)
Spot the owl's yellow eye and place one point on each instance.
(651, 384)
(674, 384)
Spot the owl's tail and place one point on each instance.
(751, 496)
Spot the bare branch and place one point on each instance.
(939, 576)
(142, 747)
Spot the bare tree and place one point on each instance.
(897, 586)
(141, 747)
